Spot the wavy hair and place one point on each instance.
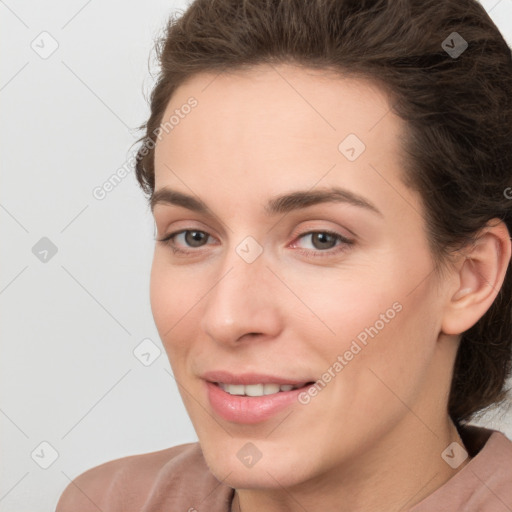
(458, 109)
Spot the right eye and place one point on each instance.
(195, 239)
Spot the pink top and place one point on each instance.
(178, 479)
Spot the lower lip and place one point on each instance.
(250, 409)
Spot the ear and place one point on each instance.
(478, 279)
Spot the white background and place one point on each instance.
(69, 325)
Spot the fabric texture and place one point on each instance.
(178, 479)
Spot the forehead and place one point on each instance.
(279, 127)
(283, 101)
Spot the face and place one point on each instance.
(335, 290)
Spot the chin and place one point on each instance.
(262, 478)
(270, 472)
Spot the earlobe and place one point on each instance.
(479, 279)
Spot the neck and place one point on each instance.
(395, 474)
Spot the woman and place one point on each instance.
(331, 183)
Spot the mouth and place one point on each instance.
(252, 403)
(260, 389)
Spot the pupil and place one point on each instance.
(196, 237)
(323, 236)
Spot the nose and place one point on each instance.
(244, 301)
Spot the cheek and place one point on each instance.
(172, 297)
(382, 336)
(393, 353)
(160, 295)
(345, 306)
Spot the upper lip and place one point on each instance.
(250, 378)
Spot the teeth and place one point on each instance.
(234, 389)
(255, 389)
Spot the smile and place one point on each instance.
(251, 403)
(257, 389)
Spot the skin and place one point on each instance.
(372, 438)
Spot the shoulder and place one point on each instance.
(484, 483)
(125, 484)
(489, 474)
(495, 460)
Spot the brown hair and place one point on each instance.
(458, 109)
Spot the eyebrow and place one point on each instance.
(285, 203)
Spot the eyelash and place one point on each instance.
(169, 241)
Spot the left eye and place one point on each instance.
(323, 240)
